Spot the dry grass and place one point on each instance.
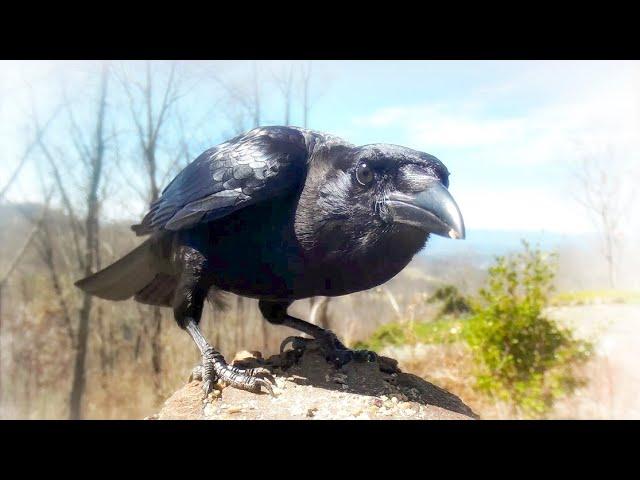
(37, 355)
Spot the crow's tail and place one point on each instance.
(124, 278)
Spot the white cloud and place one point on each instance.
(520, 209)
(555, 131)
(604, 110)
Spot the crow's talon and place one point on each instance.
(198, 374)
(207, 388)
(339, 357)
(365, 356)
(261, 374)
(297, 343)
(333, 349)
(214, 369)
(260, 382)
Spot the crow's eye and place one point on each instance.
(364, 174)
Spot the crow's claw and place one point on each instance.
(297, 343)
(341, 356)
(261, 382)
(214, 369)
(262, 374)
(365, 356)
(334, 351)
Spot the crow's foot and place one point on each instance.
(214, 368)
(332, 348)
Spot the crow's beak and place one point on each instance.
(432, 209)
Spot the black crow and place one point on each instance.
(280, 214)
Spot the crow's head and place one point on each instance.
(355, 198)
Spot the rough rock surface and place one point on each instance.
(307, 387)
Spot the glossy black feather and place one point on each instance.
(250, 168)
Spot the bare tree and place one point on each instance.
(305, 87)
(603, 194)
(43, 241)
(255, 98)
(16, 172)
(284, 81)
(150, 117)
(25, 156)
(85, 233)
(95, 162)
(308, 95)
(36, 228)
(244, 100)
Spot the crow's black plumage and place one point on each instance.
(279, 214)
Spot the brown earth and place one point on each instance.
(308, 387)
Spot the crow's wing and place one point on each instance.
(250, 168)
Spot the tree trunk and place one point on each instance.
(156, 351)
(79, 380)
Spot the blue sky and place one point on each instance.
(509, 131)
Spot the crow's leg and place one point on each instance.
(214, 367)
(189, 298)
(333, 349)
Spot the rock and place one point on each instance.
(209, 410)
(310, 388)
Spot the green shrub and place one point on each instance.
(522, 357)
(453, 302)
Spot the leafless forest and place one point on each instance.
(103, 152)
(105, 146)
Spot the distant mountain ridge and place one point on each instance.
(500, 242)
